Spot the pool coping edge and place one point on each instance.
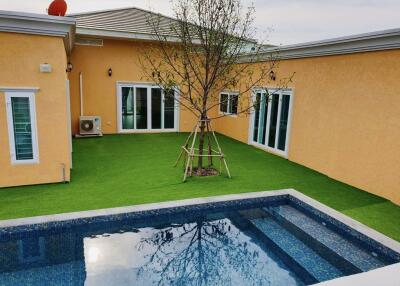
(350, 222)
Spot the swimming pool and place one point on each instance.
(261, 240)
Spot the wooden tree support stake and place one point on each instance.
(189, 154)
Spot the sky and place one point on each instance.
(278, 22)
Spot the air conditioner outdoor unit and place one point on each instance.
(90, 125)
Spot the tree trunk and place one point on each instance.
(201, 146)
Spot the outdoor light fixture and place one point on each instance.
(154, 74)
(69, 67)
(110, 72)
(272, 75)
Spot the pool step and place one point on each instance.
(292, 251)
(338, 250)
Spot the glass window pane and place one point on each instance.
(22, 128)
(263, 119)
(156, 108)
(256, 116)
(128, 120)
(273, 120)
(223, 107)
(169, 109)
(141, 108)
(233, 106)
(283, 122)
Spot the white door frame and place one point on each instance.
(275, 150)
(149, 87)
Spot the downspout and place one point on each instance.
(63, 174)
(81, 91)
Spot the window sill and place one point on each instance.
(24, 162)
(234, 115)
(18, 89)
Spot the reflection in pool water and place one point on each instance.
(208, 250)
(279, 243)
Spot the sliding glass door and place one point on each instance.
(141, 107)
(270, 120)
(146, 108)
(169, 111)
(127, 112)
(261, 108)
(156, 108)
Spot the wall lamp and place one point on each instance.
(110, 71)
(272, 75)
(69, 67)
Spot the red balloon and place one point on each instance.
(57, 8)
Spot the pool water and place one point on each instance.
(261, 244)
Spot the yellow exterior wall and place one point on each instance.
(346, 119)
(341, 104)
(20, 57)
(99, 90)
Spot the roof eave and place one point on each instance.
(39, 24)
(122, 35)
(374, 41)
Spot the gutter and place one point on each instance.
(367, 42)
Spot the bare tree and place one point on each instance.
(207, 49)
(202, 253)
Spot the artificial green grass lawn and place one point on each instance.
(121, 170)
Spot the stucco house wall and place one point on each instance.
(20, 58)
(99, 90)
(345, 120)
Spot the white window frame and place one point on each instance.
(32, 110)
(228, 104)
(149, 87)
(274, 150)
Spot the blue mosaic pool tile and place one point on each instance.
(344, 247)
(302, 257)
(165, 214)
(316, 266)
(386, 254)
